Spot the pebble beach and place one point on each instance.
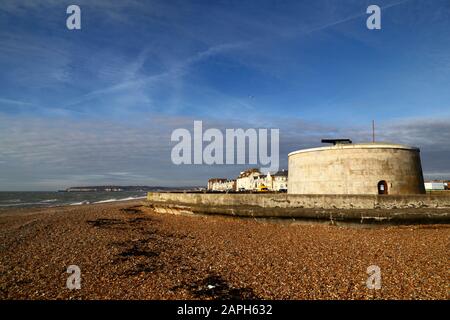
(125, 250)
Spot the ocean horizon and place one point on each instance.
(20, 199)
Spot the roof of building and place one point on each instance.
(365, 145)
(217, 180)
(282, 173)
(248, 172)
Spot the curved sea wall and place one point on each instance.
(341, 207)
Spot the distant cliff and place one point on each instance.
(118, 188)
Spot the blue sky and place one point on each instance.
(97, 105)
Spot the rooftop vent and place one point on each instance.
(337, 141)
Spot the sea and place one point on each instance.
(53, 198)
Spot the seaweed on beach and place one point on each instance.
(142, 258)
(138, 250)
(104, 222)
(107, 222)
(132, 210)
(139, 220)
(215, 287)
(140, 268)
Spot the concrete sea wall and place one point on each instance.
(339, 207)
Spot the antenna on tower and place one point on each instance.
(373, 130)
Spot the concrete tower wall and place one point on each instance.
(356, 169)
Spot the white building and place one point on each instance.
(435, 185)
(253, 179)
(221, 185)
(248, 180)
(278, 181)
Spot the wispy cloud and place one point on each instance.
(133, 80)
(35, 153)
(15, 102)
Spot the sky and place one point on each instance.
(98, 105)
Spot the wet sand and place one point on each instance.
(127, 251)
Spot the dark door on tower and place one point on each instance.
(382, 187)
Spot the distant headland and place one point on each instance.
(114, 188)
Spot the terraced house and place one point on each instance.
(251, 180)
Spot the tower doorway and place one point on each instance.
(382, 187)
